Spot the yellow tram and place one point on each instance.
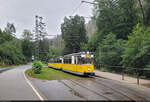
(78, 63)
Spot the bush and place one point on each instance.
(36, 67)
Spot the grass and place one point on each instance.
(52, 74)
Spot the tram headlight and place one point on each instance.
(82, 55)
(88, 69)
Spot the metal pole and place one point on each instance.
(122, 73)
(138, 77)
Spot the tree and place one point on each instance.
(10, 28)
(10, 47)
(27, 35)
(53, 52)
(11, 53)
(27, 48)
(40, 34)
(109, 51)
(27, 44)
(93, 41)
(116, 16)
(137, 49)
(73, 33)
(44, 46)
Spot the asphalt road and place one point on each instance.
(14, 86)
(90, 89)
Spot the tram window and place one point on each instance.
(65, 61)
(86, 61)
(59, 61)
(69, 61)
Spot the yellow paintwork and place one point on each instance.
(73, 67)
(55, 65)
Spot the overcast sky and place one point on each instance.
(22, 13)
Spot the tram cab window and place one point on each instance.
(86, 60)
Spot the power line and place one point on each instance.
(76, 8)
(89, 2)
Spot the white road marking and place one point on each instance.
(36, 92)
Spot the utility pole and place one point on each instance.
(40, 34)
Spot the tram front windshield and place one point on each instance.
(86, 60)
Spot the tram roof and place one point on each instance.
(73, 54)
(77, 54)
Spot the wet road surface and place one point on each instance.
(13, 85)
(90, 89)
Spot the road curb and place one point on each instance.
(5, 69)
(33, 88)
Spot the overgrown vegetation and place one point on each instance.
(10, 49)
(122, 37)
(74, 34)
(14, 51)
(37, 67)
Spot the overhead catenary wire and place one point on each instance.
(79, 7)
(76, 9)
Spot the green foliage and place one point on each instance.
(27, 47)
(137, 49)
(5, 37)
(109, 51)
(116, 16)
(84, 46)
(37, 67)
(53, 52)
(73, 33)
(116, 42)
(11, 53)
(27, 35)
(44, 50)
(93, 42)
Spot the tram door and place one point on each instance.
(73, 63)
(77, 64)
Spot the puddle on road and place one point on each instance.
(44, 80)
(108, 93)
(76, 94)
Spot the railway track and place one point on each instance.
(81, 96)
(98, 79)
(107, 98)
(74, 91)
(106, 85)
(123, 94)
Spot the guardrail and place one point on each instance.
(122, 69)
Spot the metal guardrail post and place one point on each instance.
(138, 77)
(122, 73)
